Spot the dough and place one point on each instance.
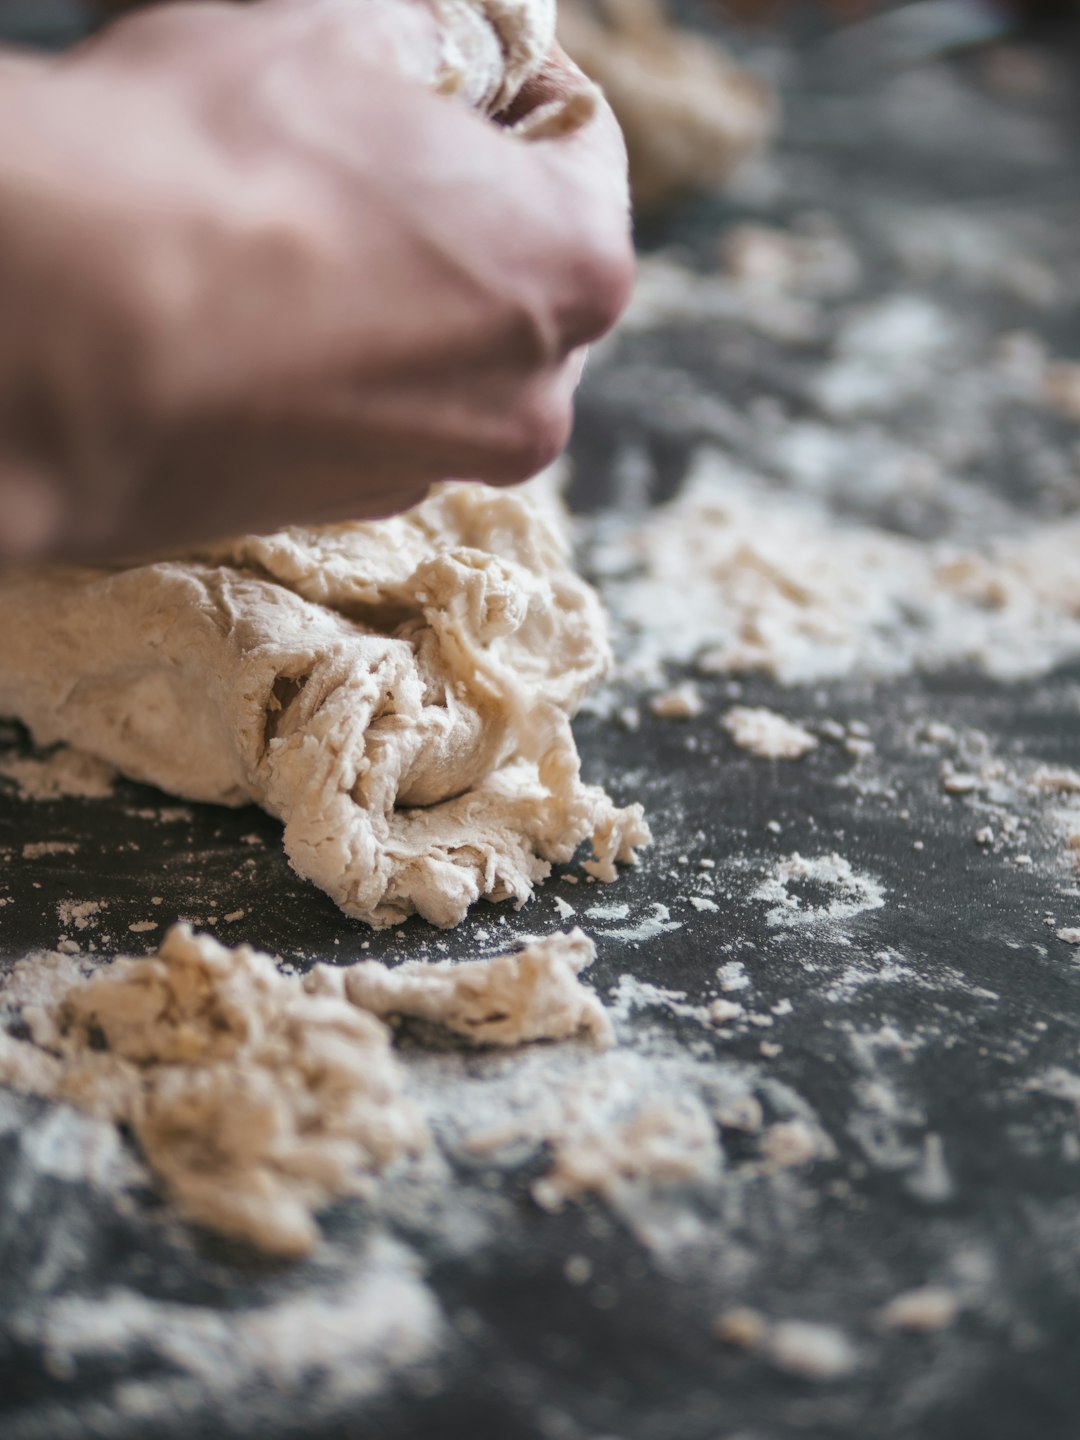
(531, 995)
(490, 48)
(257, 1097)
(397, 692)
(689, 113)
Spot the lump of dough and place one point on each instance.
(533, 994)
(397, 692)
(255, 1096)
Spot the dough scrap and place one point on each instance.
(766, 734)
(397, 692)
(533, 994)
(668, 1142)
(257, 1097)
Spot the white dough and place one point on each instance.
(397, 692)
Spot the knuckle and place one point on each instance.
(533, 436)
(604, 278)
(530, 334)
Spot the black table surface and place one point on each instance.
(967, 999)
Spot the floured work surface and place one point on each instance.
(827, 1180)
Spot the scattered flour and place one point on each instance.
(737, 575)
(632, 994)
(61, 773)
(374, 1316)
(848, 893)
(658, 922)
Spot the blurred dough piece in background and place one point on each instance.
(690, 114)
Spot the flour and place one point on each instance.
(631, 994)
(375, 1316)
(847, 893)
(63, 773)
(738, 576)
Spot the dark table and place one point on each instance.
(931, 1037)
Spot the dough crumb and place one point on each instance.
(744, 1112)
(663, 1144)
(1070, 934)
(788, 1144)
(805, 1348)
(513, 999)
(742, 1326)
(810, 1350)
(80, 914)
(929, 1308)
(681, 702)
(766, 734)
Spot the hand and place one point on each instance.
(253, 272)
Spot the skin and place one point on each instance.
(253, 273)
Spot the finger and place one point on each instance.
(558, 81)
(404, 36)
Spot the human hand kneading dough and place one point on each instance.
(253, 271)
